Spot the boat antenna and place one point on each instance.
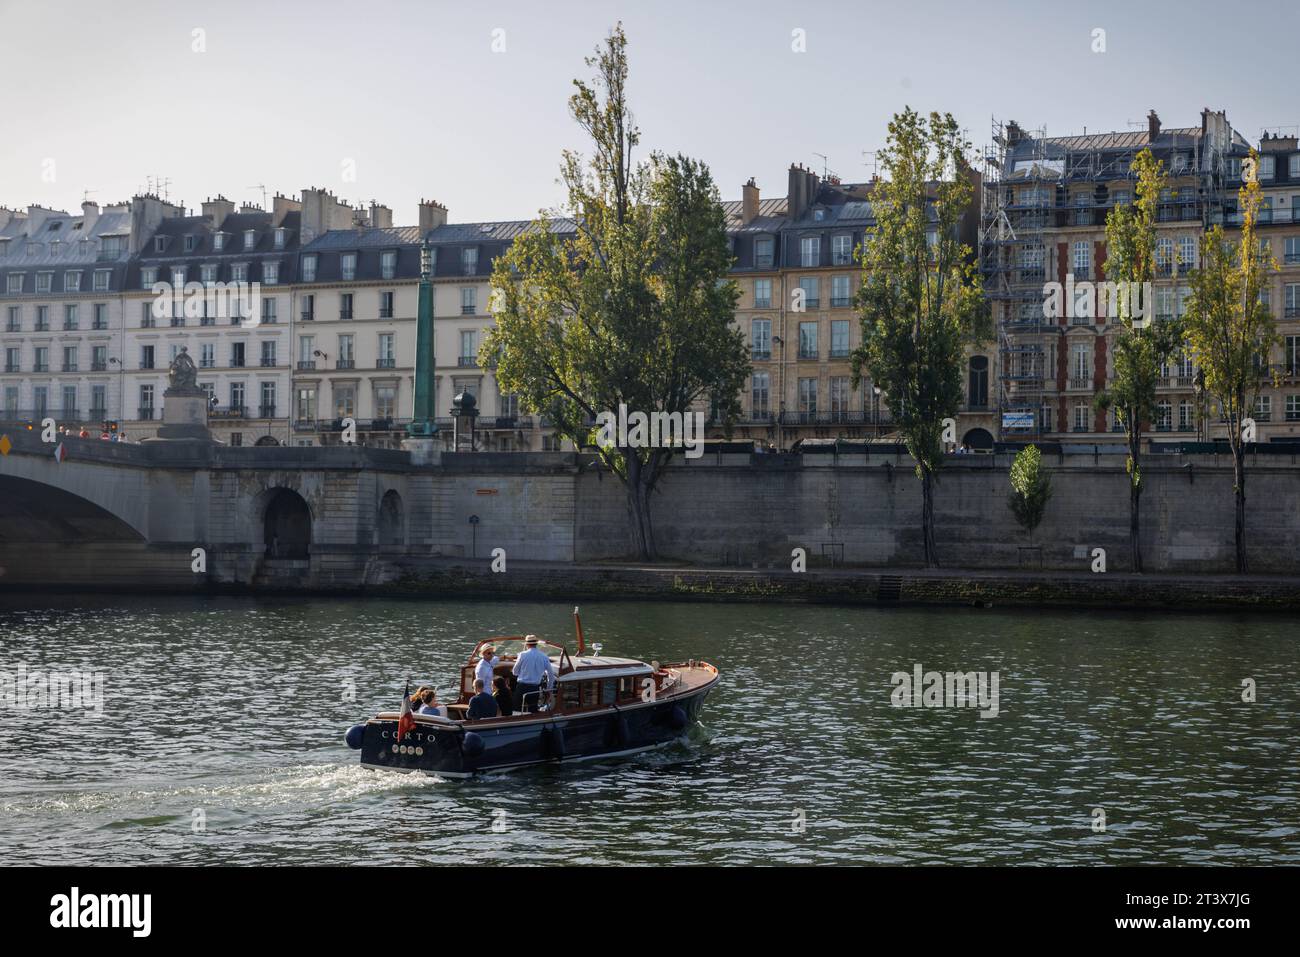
(577, 624)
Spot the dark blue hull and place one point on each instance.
(460, 749)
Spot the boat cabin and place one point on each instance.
(582, 682)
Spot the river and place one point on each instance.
(219, 739)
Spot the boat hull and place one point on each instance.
(462, 749)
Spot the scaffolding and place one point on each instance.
(1020, 184)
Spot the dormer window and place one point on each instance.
(33, 248)
(309, 268)
(388, 263)
(72, 281)
(469, 260)
(208, 273)
(191, 242)
(239, 272)
(279, 237)
(819, 214)
(218, 242)
(56, 247)
(44, 282)
(178, 276)
(348, 266)
(271, 273)
(250, 238)
(15, 282)
(159, 244)
(148, 276)
(114, 245)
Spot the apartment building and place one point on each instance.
(1046, 200)
(798, 274)
(219, 285)
(61, 323)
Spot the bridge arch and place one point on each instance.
(32, 511)
(286, 523)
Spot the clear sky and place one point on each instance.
(101, 95)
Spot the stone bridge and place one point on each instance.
(110, 514)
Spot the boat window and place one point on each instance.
(627, 687)
(571, 696)
(589, 689)
(607, 691)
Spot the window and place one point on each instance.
(385, 401)
(308, 307)
(1293, 408)
(760, 339)
(148, 276)
(98, 402)
(1186, 253)
(266, 410)
(386, 358)
(347, 354)
(13, 362)
(11, 402)
(1266, 167)
(218, 242)
(1232, 169)
(469, 260)
(69, 358)
(840, 291)
(1121, 197)
(42, 319)
(763, 252)
(839, 338)
(250, 239)
(309, 268)
(207, 355)
(146, 357)
(348, 266)
(146, 402)
(1291, 250)
(468, 300)
(1293, 166)
(808, 396)
(1081, 416)
(271, 274)
(236, 397)
(237, 355)
(1263, 408)
(467, 351)
(345, 400)
(306, 404)
(1080, 363)
(44, 282)
(1082, 259)
(42, 363)
(101, 280)
(40, 400)
(810, 251)
(760, 395)
(1291, 299)
(178, 276)
(386, 305)
(306, 348)
(268, 353)
(70, 318)
(268, 310)
(762, 294)
(809, 286)
(841, 250)
(388, 263)
(159, 244)
(345, 305)
(839, 386)
(15, 323)
(808, 340)
(1164, 416)
(72, 281)
(977, 397)
(146, 315)
(15, 282)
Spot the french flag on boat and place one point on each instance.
(405, 721)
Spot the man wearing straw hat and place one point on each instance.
(530, 667)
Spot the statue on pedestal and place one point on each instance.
(183, 376)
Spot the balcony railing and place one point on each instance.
(178, 320)
(14, 327)
(308, 315)
(145, 412)
(466, 362)
(345, 363)
(763, 303)
(764, 261)
(307, 364)
(41, 367)
(69, 367)
(266, 412)
(13, 367)
(41, 327)
(808, 354)
(268, 362)
(1080, 382)
(760, 355)
(389, 363)
(99, 325)
(228, 412)
(345, 313)
(467, 310)
(812, 302)
(838, 302)
(839, 353)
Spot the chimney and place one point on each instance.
(802, 192)
(321, 212)
(147, 213)
(381, 217)
(1153, 126)
(749, 202)
(432, 215)
(218, 209)
(89, 210)
(251, 208)
(282, 207)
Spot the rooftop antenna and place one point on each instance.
(160, 186)
(875, 162)
(262, 187)
(86, 194)
(825, 171)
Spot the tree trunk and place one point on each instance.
(927, 517)
(638, 506)
(1135, 499)
(1239, 488)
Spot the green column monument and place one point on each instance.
(423, 417)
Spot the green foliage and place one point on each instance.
(1031, 489)
(921, 302)
(635, 305)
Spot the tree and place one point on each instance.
(621, 298)
(921, 300)
(1031, 489)
(1142, 346)
(1229, 329)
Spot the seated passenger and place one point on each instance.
(428, 698)
(482, 705)
(502, 696)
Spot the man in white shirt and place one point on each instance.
(530, 667)
(486, 668)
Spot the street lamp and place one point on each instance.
(1198, 387)
(875, 408)
(463, 413)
